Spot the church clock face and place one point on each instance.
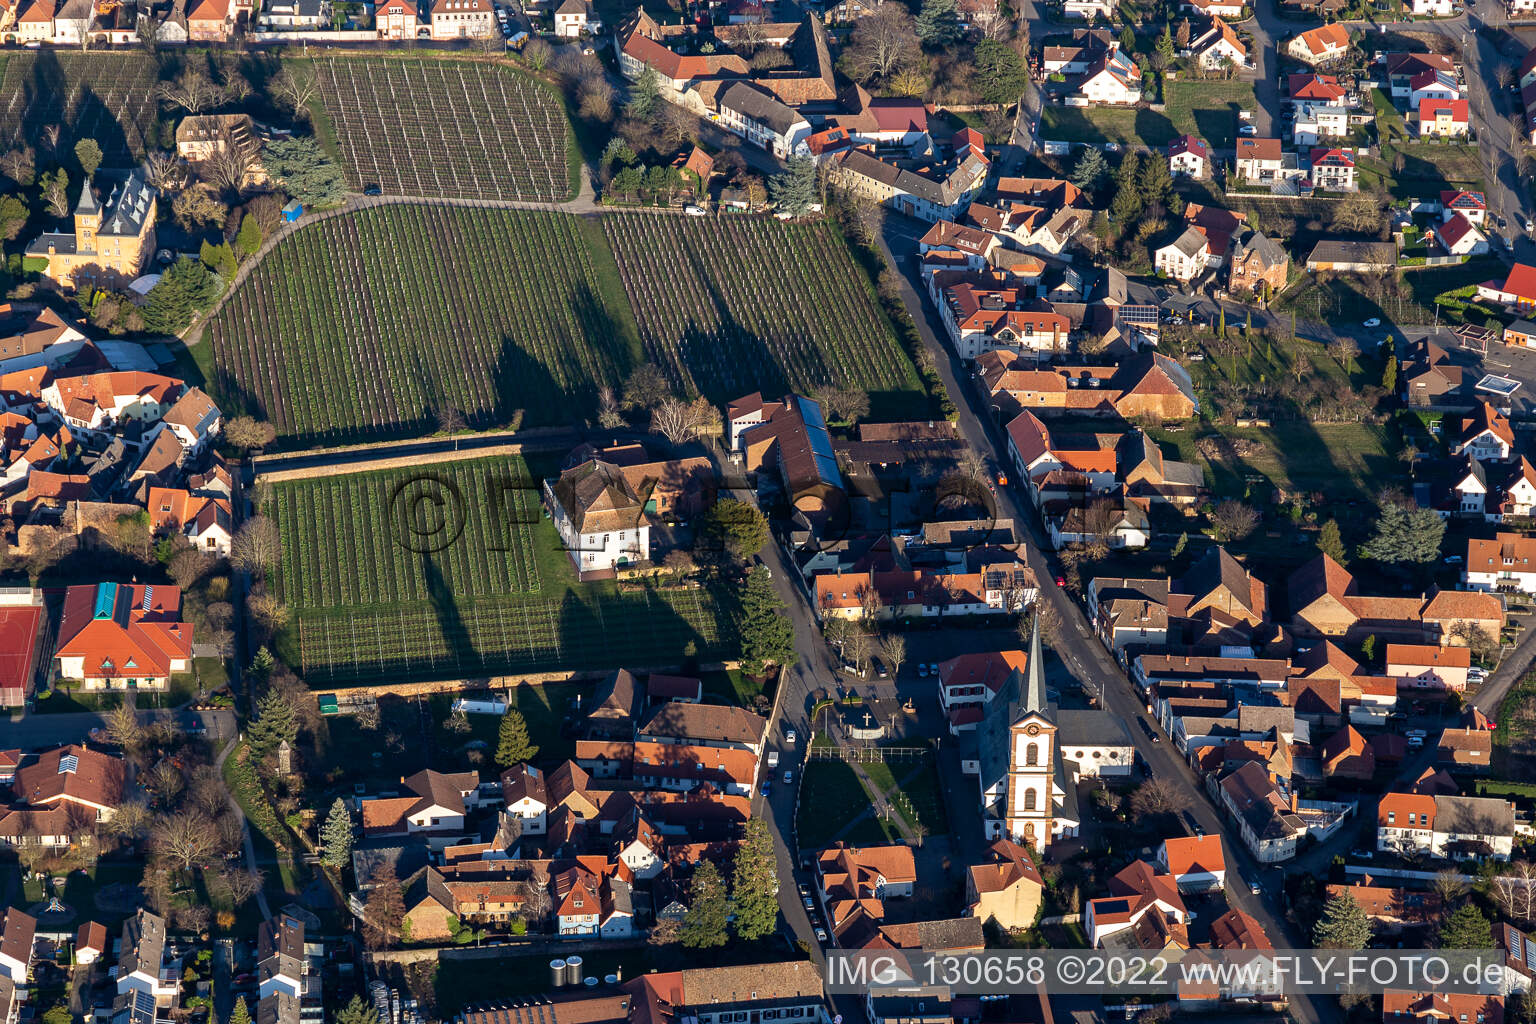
(1032, 729)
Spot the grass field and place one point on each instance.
(831, 798)
(476, 584)
(362, 326)
(1411, 300)
(1127, 126)
(728, 306)
(913, 789)
(445, 128)
(109, 97)
(1207, 108)
(1514, 741)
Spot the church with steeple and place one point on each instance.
(1030, 756)
(111, 240)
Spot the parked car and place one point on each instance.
(767, 788)
(372, 190)
(1247, 129)
(1372, 322)
(922, 670)
(1146, 727)
(821, 935)
(809, 903)
(789, 777)
(789, 736)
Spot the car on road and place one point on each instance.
(933, 668)
(809, 904)
(1453, 559)
(788, 777)
(922, 670)
(1372, 322)
(1530, 227)
(821, 935)
(789, 736)
(1256, 889)
(1362, 854)
(767, 788)
(1061, 581)
(805, 890)
(1146, 727)
(880, 670)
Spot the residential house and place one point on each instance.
(1458, 237)
(1139, 891)
(1391, 909)
(1431, 8)
(1036, 452)
(1471, 205)
(397, 20)
(207, 137)
(1451, 827)
(1353, 257)
(1400, 69)
(1189, 157)
(1322, 45)
(91, 942)
(1257, 264)
(984, 313)
(929, 192)
(759, 117)
(281, 964)
(17, 932)
(1260, 161)
(296, 15)
(1399, 1007)
(1485, 435)
(1450, 615)
(1443, 118)
(1504, 563)
(599, 517)
(463, 19)
(1421, 667)
(1219, 47)
(573, 17)
(25, 333)
(1185, 258)
(1113, 80)
(1465, 751)
(1332, 169)
(1433, 84)
(1517, 290)
(1311, 87)
(1317, 122)
(205, 520)
(112, 239)
(436, 806)
(1196, 863)
(142, 966)
(1088, 46)
(850, 879)
(1006, 888)
(1264, 810)
(1216, 8)
(121, 636)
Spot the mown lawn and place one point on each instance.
(1098, 125)
(1208, 108)
(831, 797)
(913, 789)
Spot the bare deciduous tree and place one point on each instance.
(164, 172)
(230, 163)
(1233, 520)
(192, 90)
(256, 545)
(680, 421)
(184, 838)
(894, 647)
(296, 90)
(883, 42)
(1158, 796)
(1515, 891)
(242, 885)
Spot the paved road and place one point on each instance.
(1079, 650)
(35, 732)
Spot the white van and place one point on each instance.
(773, 759)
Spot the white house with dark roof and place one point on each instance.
(1185, 258)
(1113, 80)
(599, 517)
(1188, 157)
(759, 117)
